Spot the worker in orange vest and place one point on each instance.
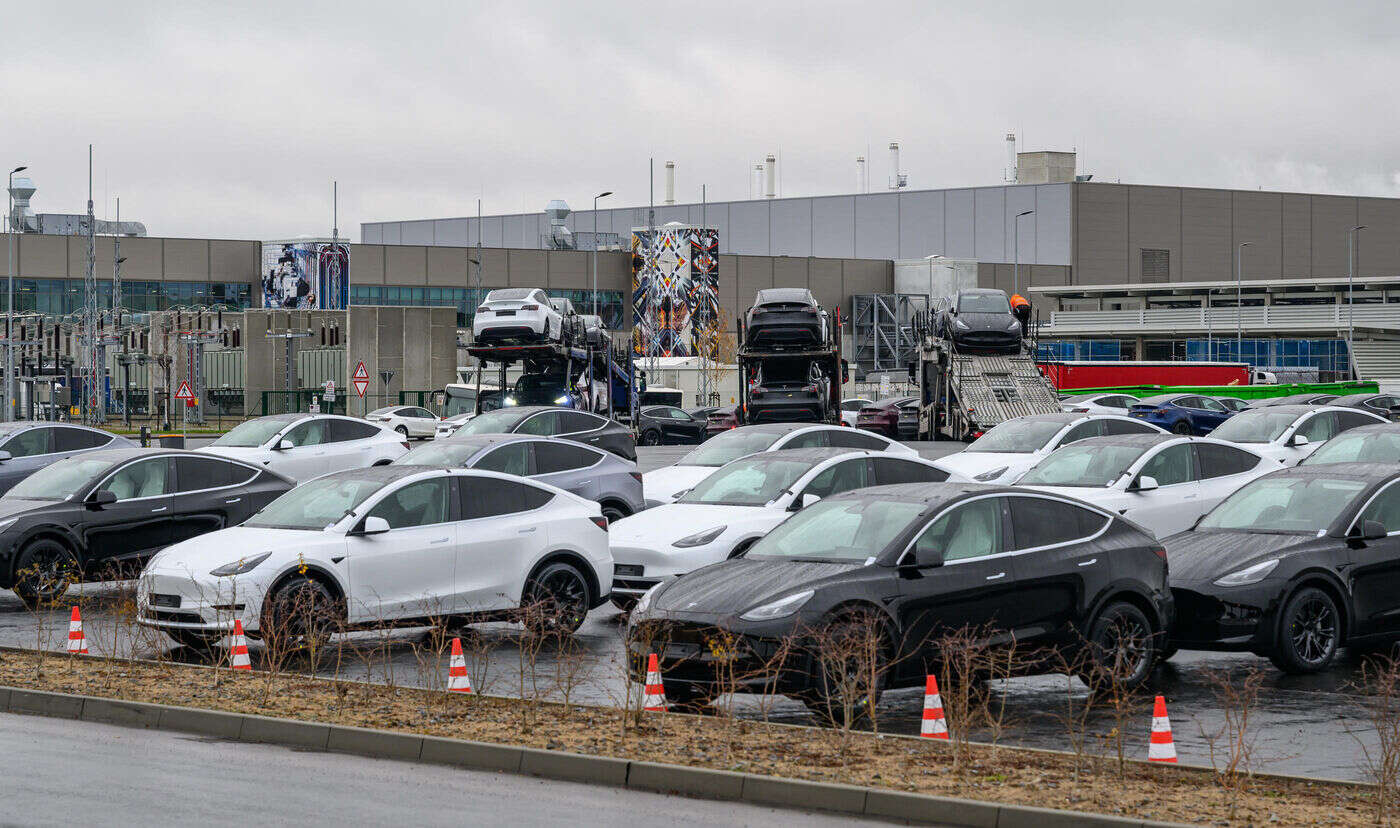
(1022, 308)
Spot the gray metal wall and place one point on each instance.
(972, 223)
(1291, 235)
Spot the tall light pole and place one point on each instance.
(1016, 242)
(1239, 300)
(10, 301)
(595, 248)
(1351, 277)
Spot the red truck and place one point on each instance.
(1114, 374)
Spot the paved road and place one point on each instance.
(1305, 723)
(60, 772)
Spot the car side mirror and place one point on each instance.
(1372, 530)
(101, 497)
(803, 501)
(282, 445)
(4, 455)
(1145, 483)
(1298, 440)
(374, 526)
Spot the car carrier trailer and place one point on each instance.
(823, 365)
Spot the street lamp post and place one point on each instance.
(10, 300)
(1239, 300)
(595, 248)
(1016, 256)
(1351, 277)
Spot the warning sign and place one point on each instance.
(360, 379)
(184, 393)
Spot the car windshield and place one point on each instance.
(537, 389)
(60, 480)
(500, 421)
(729, 446)
(443, 453)
(316, 504)
(252, 433)
(1362, 447)
(752, 481)
(838, 530)
(1017, 436)
(1258, 426)
(1089, 466)
(983, 303)
(1284, 505)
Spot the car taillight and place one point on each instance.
(483, 309)
(976, 434)
(637, 476)
(529, 307)
(1079, 411)
(600, 522)
(405, 444)
(1161, 411)
(1160, 551)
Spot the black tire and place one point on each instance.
(1123, 645)
(197, 640)
(624, 602)
(302, 613)
(834, 678)
(1182, 427)
(43, 570)
(614, 513)
(651, 437)
(402, 430)
(1166, 653)
(685, 697)
(556, 600)
(1309, 632)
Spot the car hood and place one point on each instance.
(987, 321)
(12, 506)
(1204, 555)
(672, 521)
(973, 463)
(735, 586)
(205, 552)
(662, 484)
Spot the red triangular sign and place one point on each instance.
(184, 393)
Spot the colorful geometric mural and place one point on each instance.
(675, 290)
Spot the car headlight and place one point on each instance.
(989, 476)
(645, 601)
(561, 400)
(1013, 325)
(961, 325)
(1249, 575)
(700, 538)
(240, 566)
(509, 401)
(780, 608)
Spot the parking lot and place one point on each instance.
(1302, 724)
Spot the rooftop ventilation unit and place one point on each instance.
(23, 219)
(560, 237)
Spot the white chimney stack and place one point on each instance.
(770, 174)
(861, 182)
(1011, 158)
(670, 182)
(897, 179)
(756, 182)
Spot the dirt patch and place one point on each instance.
(992, 774)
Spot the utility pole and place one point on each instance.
(10, 405)
(1239, 301)
(92, 350)
(289, 338)
(1351, 307)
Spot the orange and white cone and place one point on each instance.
(655, 698)
(1161, 748)
(934, 726)
(77, 644)
(457, 680)
(239, 659)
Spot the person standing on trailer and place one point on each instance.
(1021, 307)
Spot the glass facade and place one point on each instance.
(466, 300)
(58, 297)
(1329, 356)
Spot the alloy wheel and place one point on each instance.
(1313, 630)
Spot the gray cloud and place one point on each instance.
(226, 121)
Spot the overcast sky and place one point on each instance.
(231, 120)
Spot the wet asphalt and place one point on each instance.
(1307, 725)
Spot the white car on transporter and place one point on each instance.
(517, 315)
(303, 446)
(1291, 433)
(1164, 482)
(1009, 449)
(725, 513)
(665, 484)
(384, 546)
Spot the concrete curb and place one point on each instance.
(548, 764)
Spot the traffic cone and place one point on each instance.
(457, 680)
(1161, 748)
(933, 727)
(240, 660)
(655, 698)
(77, 644)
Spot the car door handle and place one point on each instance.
(235, 500)
(161, 509)
(439, 540)
(1089, 562)
(526, 531)
(996, 576)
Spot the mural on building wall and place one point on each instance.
(675, 290)
(306, 275)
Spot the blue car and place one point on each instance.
(1182, 413)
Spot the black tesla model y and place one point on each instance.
(917, 562)
(1293, 566)
(102, 514)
